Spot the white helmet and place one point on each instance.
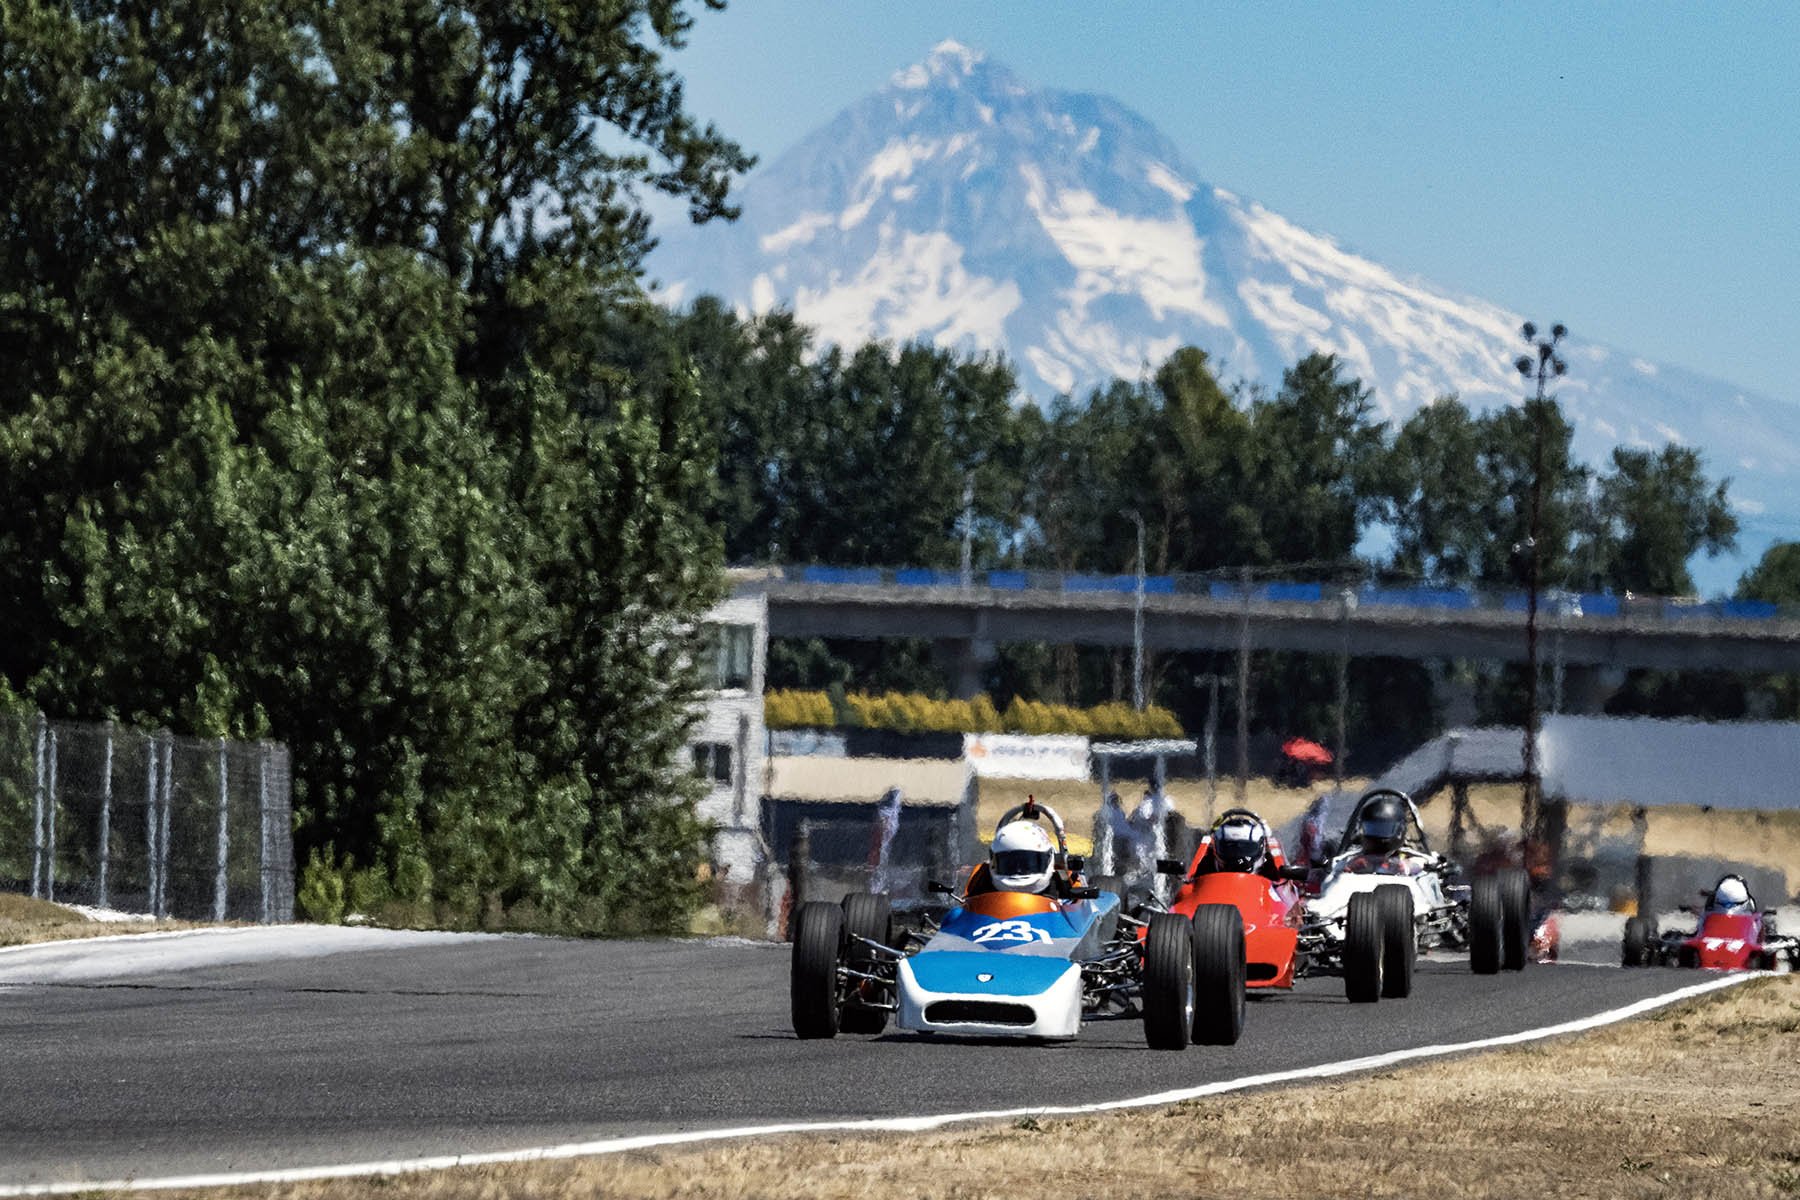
(1731, 896)
(1022, 857)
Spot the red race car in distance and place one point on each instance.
(1733, 934)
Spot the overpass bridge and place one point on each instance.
(966, 617)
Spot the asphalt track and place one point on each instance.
(184, 1056)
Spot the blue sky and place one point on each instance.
(1630, 169)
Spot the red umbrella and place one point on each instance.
(1307, 751)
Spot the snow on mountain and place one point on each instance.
(963, 206)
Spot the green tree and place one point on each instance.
(1317, 453)
(1656, 511)
(1436, 491)
(1775, 579)
(305, 431)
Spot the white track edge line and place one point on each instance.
(881, 1124)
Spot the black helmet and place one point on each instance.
(1240, 842)
(1383, 824)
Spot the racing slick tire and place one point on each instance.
(1364, 948)
(1515, 906)
(1399, 940)
(1219, 993)
(1487, 926)
(812, 981)
(1640, 937)
(869, 916)
(1168, 991)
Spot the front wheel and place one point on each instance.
(812, 980)
(1168, 982)
(1399, 940)
(870, 916)
(1218, 975)
(1364, 949)
(1640, 936)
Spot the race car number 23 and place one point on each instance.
(1009, 931)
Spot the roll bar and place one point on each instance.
(1031, 810)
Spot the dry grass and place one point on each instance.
(1699, 1100)
(24, 921)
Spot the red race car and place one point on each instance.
(1733, 934)
(1240, 864)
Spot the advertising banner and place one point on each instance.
(1026, 756)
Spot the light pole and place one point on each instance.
(1347, 601)
(1544, 364)
(1137, 619)
(968, 528)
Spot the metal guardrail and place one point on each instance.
(1551, 602)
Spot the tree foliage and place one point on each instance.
(304, 432)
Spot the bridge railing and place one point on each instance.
(1552, 603)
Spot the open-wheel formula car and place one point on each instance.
(1374, 952)
(1002, 963)
(1384, 854)
(1733, 933)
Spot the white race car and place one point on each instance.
(1384, 852)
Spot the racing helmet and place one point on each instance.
(1732, 895)
(1383, 824)
(1022, 857)
(1240, 842)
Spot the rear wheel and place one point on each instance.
(1399, 940)
(1363, 949)
(1640, 936)
(1218, 931)
(1169, 982)
(812, 981)
(866, 916)
(1487, 926)
(1515, 907)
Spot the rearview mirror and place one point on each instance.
(1170, 866)
(1295, 872)
(1084, 893)
(939, 889)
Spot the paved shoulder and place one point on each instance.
(89, 960)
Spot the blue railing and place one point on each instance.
(1551, 604)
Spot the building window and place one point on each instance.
(712, 760)
(728, 652)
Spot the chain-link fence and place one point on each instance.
(146, 822)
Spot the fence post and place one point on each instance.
(50, 824)
(150, 822)
(262, 808)
(37, 811)
(219, 881)
(106, 817)
(162, 840)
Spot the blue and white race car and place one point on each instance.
(1020, 964)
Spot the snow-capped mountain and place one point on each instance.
(963, 206)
